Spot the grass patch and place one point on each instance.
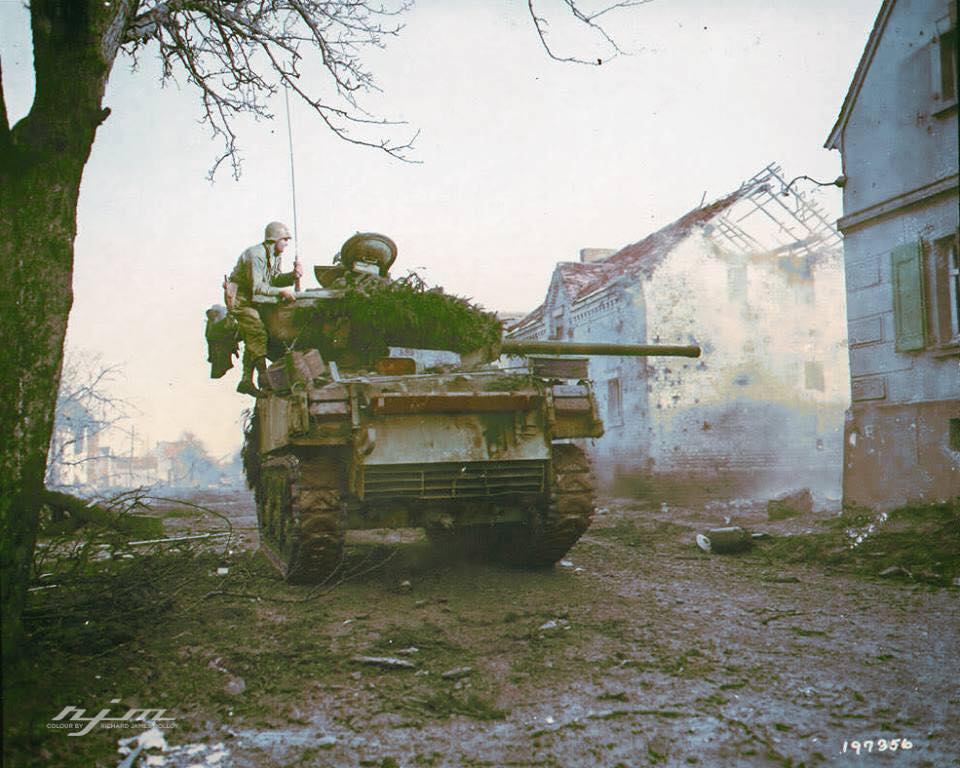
(642, 533)
(731, 686)
(428, 639)
(180, 512)
(924, 540)
(808, 632)
(621, 696)
(443, 704)
(689, 663)
(160, 630)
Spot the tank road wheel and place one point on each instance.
(558, 524)
(301, 515)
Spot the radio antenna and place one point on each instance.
(293, 185)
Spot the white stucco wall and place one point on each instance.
(739, 421)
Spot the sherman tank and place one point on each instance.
(358, 430)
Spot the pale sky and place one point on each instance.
(523, 161)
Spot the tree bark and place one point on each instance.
(41, 165)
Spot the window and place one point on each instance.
(908, 306)
(813, 375)
(737, 283)
(944, 61)
(926, 294)
(559, 324)
(943, 287)
(614, 403)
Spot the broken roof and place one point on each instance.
(787, 224)
(644, 257)
(580, 279)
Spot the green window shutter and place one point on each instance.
(908, 309)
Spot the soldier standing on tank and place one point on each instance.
(257, 280)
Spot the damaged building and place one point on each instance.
(897, 137)
(755, 279)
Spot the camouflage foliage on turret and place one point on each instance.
(374, 314)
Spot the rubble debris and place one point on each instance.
(860, 535)
(405, 586)
(724, 541)
(387, 662)
(457, 673)
(790, 505)
(152, 738)
(547, 626)
(235, 686)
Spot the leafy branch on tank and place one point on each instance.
(374, 314)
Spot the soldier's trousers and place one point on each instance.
(254, 335)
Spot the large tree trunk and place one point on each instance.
(41, 165)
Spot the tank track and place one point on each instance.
(554, 526)
(301, 515)
(569, 511)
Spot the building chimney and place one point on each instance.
(593, 255)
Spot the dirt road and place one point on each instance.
(637, 650)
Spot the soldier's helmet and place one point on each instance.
(275, 230)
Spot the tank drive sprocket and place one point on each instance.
(301, 514)
(569, 510)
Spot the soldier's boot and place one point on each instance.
(262, 379)
(246, 385)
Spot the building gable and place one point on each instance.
(873, 41)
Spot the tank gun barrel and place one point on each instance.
(522, 347)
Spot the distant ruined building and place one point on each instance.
(897, 137)
(754, 278)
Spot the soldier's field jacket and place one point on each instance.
(258, 276)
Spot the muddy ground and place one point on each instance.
(638, 649)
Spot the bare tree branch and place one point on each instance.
(86, 407)
(541, 24)
(238, 54)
